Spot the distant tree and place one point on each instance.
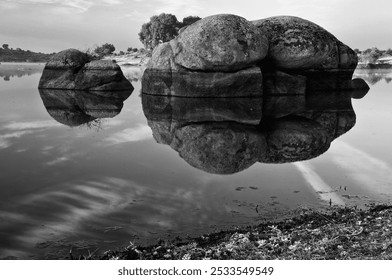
(371, 55)
(121, 53)
(357, 51)
(132, 49)
(105, 49)
(366, 51)
(388, 52)
(5, 46)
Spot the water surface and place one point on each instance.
(101, 184)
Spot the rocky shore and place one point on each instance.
(336, 233)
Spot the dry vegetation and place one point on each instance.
(345, 233)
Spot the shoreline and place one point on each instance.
(336, 233)
(17, 63)
(374, 66)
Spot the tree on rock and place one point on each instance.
(189, 20)
(105, 49)
(162, 28)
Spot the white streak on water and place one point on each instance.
(363, 168)
(324, 191)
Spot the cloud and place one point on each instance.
(5, 138)
(66, 207)
(145, 9)
(57, 161)
(79, 6)
(31, 125)
(138, 15)
(179, 8)
(19, 129)
(139, 133)
(4, 144)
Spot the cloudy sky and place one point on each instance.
(54, 25)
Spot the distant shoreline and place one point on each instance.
(374, 66)
(22, 63)
(141, 60)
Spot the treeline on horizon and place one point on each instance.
(371, 55)
(8, 54)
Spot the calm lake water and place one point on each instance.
(100, 185)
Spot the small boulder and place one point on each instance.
(219, 43)
(72, 69)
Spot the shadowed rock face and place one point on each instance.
(74, 108)
(227, 135)
(73, 70)
(283, 93)
(243, 83)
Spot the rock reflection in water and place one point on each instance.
(227, 135)
(75, 108)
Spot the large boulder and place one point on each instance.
(296, 43)
(219, 43)
(213, 57)
(72, 69)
